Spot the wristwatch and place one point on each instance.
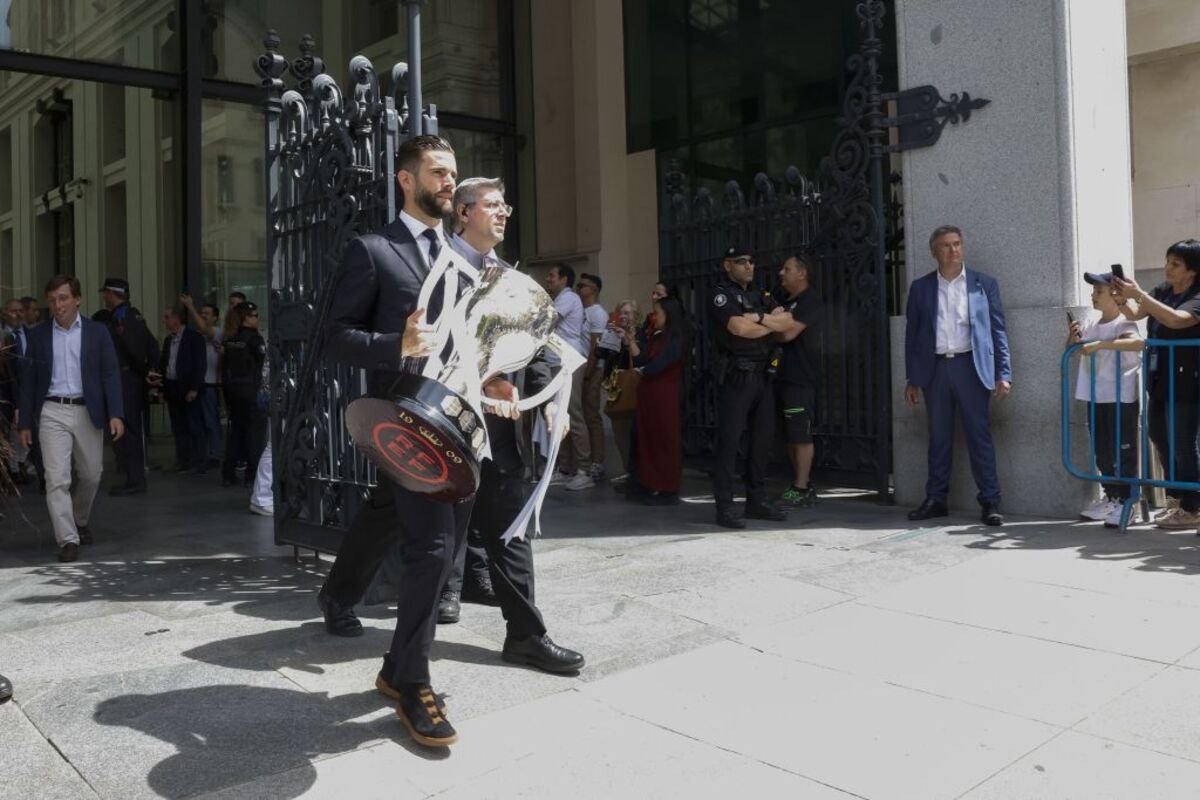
(761, 317)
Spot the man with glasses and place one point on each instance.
(595, 323)
(743, 323)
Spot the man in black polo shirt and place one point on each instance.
(799, 374)
(743, 321)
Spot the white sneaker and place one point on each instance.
(1112, 516)
(581, 481)
(262, 511)
(560, 478)
(1169, 511)
(1179, 520)
(1096, 510)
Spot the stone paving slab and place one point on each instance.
(1160, 714)
(32, 767)
(1055, 683)
(1078, 767)
(859, 735)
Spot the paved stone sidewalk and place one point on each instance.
(844, 654)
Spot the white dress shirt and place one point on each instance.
(66, 373)
(417, 229)
(173, 354)
(953, 320)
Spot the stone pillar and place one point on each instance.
(1039, 181)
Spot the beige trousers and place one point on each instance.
(577, 453)
(593, 391)
(68, 438)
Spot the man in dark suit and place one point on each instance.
(956, 352)
(137, 354)
(181, 369)
(375, 324)
(506, 571)
(70, 393)
(13, 345)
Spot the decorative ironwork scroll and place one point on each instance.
(329, 172)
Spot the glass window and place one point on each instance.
(459, 38)
(135, 33)
(233, 218)
(89, 188)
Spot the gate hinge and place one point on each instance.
(922, 113)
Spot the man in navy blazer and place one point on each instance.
(183, 363)
(956, 352)
(70, 392)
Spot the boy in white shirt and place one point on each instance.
(1106, 337)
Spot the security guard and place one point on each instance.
(744, 322)
(137, 351)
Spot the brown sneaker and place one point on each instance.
(418, 710)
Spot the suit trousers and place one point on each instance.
(500, 498)
(427, 534)
(471, 556)
(745, 406)
(68, 438)
(1185, 465)
(131, 448)
(210, 419)
(187, 426)
(956, 390)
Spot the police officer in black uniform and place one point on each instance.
(744, 322)
(137, 351)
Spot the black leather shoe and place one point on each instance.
(479, 590)
(449, 609)
(543, 653)
(125, 491)
(339, 620)
(68, 552)
(418, 710)
(991, 515)
(5, 690)
(730, 518)
(85, 535)
(765, 510)
(928, 510)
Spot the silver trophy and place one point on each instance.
(430, 437)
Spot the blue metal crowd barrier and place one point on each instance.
(1162, 347)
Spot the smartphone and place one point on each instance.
(1118, 271)
(1071, 321)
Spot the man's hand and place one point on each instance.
(154, 378)
(186, 299)
(26, 438)
(549, 412)
(418, 337)
(1002, 390)
(116, 427)
(777, 310)
(190, 396)
(507, 395)
(912, 395)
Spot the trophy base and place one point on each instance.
(427, 439)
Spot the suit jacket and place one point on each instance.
(989, 337)
(12, 364)
(98, 368)
(190, 365)
(377, 290)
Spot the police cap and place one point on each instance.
(736, 251)
(118, 285)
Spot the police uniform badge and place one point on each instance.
(720, 300)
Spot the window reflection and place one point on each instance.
(135, 33)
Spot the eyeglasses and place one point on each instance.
(494, 208)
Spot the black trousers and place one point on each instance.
(500, 498)
(1187, 462)
(1107, 446)
(186, 426)
(131, 448)
(745, 406)
(247, 435)
(427, 534)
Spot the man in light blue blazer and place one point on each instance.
(956, 353)
(70, 393)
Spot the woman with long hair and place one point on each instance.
(659, 451)
(241, 374)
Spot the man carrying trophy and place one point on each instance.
(376, 324)
(481, 214)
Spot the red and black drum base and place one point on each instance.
(427, 439)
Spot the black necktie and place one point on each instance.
(435, 246)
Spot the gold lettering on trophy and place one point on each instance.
(453, 456)
(404, 417)
(429, 436)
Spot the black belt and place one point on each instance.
(749, 365)
(66, 401)
(963, 354)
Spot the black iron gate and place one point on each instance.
(840, 218)
(330, 177)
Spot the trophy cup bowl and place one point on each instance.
(427, 437)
